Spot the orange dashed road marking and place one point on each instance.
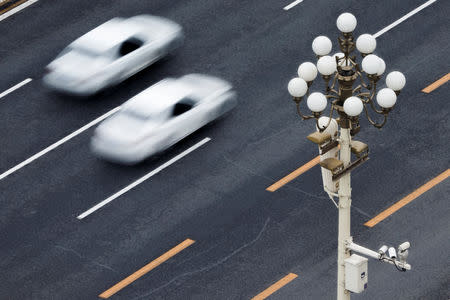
(11, 6)
(436, 84)
(275, 287)
(294, 174)
(141, 272)
(386, 213)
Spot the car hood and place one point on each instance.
(75, 65)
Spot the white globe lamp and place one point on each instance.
(346, 22)
(386, 98)
(316, 102)
(307, 71)
(371, 64)
(297, 87)
(381, 67)
(395, 80)
(332, 128)
(326, 65)
(321, 45)
(366, 43)
(353, 106)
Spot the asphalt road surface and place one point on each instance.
(246, 238)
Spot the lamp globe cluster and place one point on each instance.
(342, 73)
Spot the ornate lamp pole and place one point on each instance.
(351, 88)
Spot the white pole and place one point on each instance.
(344, 214)
(360, 249)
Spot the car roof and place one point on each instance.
(158, 98)
(107, 35)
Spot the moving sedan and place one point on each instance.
(111, 53)
(160, 116)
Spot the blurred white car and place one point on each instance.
(112, 52)
(160, 116)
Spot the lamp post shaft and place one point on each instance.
(344, 213)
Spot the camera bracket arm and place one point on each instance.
(401, 265)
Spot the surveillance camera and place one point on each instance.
(404, 246)
(383, 249)
(392, 253)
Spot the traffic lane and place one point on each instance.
(277, 94)
(383, 15)
(191, 58)
(42, 231)
(424, 223)
(37, 40)
(411, 149)
(40, 170)
(45, 116)
(34, 36)
(230, 131)
(132, 230)
(259, 246)
(314, 260)
(410, 136)
(35, 135)
(24, 149)
(420, 153)
(80, 189)
(439, 154)
(153, 214)
(221, 273)
(32, 117)
(250, 72)
(85, 187)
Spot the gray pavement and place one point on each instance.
(246, 238)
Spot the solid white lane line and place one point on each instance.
(288, 7)
(142, 179)
(12, 89)
(17, 9)
(58, 143)
(413, 12)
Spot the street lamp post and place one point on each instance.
(341, 72)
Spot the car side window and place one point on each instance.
(129, 46)
(182, 106)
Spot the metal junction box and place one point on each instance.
(356, 273)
